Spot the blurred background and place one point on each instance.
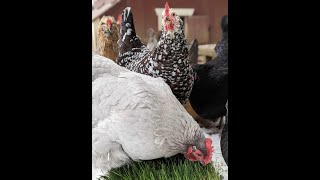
(201, 18)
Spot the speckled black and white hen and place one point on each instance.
(168, 60)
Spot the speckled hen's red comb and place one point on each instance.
(167, 9)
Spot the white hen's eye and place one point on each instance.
(173, 14)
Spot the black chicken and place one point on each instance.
(210, 90)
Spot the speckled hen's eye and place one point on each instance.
(173, 14)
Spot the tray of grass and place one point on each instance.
(176, 168)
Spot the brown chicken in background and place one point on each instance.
(108, 35)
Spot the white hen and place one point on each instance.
(137, 117)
